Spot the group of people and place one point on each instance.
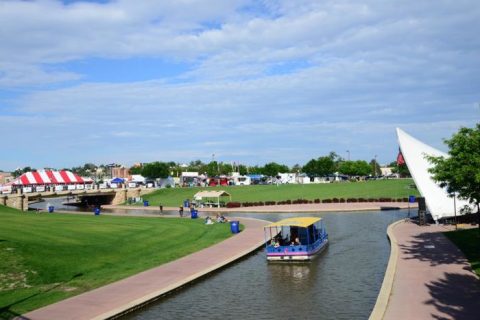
(219, 219)
(278, 241)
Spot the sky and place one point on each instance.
(239, 81)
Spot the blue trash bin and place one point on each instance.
(96, 211)
(186, 203)
(145, 203)
(194, 214)
(235, 226)
(51, 209)
(411, 199)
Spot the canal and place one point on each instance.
(342, 283)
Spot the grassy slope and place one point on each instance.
(48, 257)
(370, 189)
(469, 242)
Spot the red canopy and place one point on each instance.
(50, 177)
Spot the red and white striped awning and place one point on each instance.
(50, 177)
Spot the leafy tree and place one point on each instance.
(402, 169)
(375, 168)
(19, 171)
(272, 169)
(242, 169)
(212, 169)
(135, 170)
(296, 168)
(156, 170)
(460, 173)
(355, 168)
(321, 167)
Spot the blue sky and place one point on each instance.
(248, 81)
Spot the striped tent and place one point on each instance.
(50, 177)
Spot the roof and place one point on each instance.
(48, 177)
(295, 222)
(211, 194)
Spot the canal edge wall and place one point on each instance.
(154, 296)
(385, 291)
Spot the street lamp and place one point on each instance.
(375, 166)
(348, 155)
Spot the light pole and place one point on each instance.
(375, 166)
(348, 155)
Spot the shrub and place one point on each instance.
(316, 200)
(234, 205)
(335, 200)
(327, 201)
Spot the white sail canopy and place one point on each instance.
(438, 201)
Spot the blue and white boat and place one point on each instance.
(295, 239)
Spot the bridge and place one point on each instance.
(20, 201)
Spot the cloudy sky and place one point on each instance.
(249, 81)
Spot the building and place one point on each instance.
(6, 177)
(120, 172)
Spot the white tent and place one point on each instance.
(211, 197)
(438, 201)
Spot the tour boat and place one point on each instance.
(295, 239)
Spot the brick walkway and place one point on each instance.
(125, 294)
(433, 279)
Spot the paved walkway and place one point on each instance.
(433, 279)
(125, 294)
(310, 207)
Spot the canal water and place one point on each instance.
(342, 283)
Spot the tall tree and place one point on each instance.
(272, 169)
(156, 170)
(460, 172)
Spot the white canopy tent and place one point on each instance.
(439, 203)
(211, 197)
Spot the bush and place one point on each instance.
(335, 200)
(233, 205)
(316, 200)
(327, 201)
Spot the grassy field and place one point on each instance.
(370, 189)
(45, 258)
(469, 242)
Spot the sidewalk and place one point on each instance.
(311, 207)
(136, 290)
(433, 279)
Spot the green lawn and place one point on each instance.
(370, 189)
(469, 242)
(45, 258)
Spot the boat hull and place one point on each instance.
(289, 255)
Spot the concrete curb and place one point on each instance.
(387, 284)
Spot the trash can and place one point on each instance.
(186, 203)
(96, 211)
(235, 226)
(145, 203)
(411, 199)
(194, 214)
(51, 209)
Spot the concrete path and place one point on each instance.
(125, 294)
(433, 279)
(310, 207)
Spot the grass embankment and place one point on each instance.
(469, 242)
(45, 258)
(399, 188)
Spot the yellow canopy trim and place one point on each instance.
(302, 222)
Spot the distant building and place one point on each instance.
(120, 172)
(6, 177)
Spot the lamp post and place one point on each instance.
(375, 166)
(348, 155)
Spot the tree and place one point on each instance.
(320, 167)
(460, 172)
(272, 169)
(355, 168)
(135, 170)
(212, 169)
(401, 169)
(19, 171)
(155, 170)
(375, 167)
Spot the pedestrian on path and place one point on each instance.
(180, 211)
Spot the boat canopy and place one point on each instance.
(295, 222)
